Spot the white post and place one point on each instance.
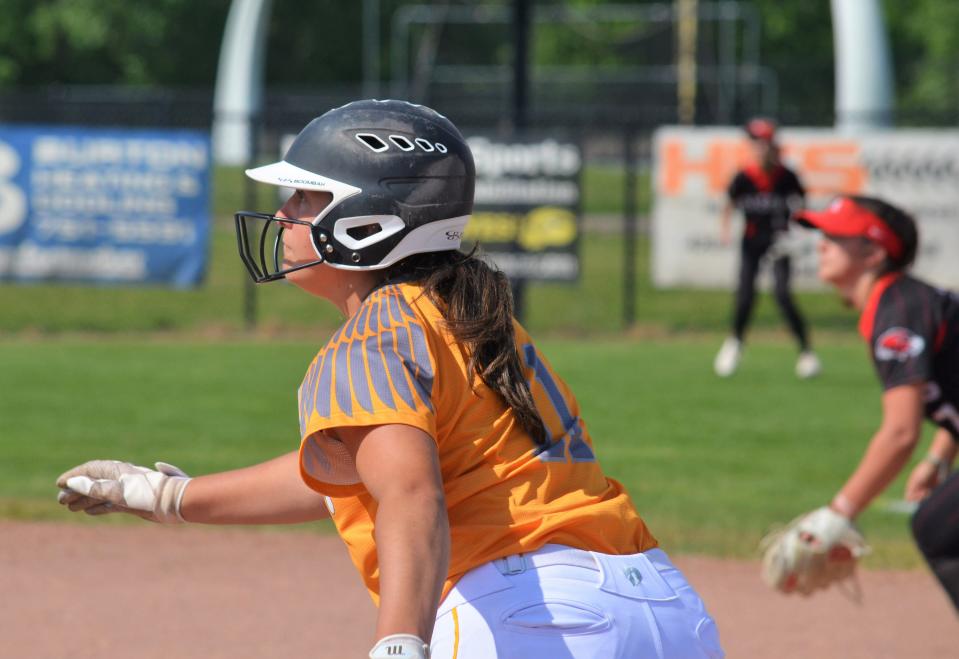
(238, 96)
(864, 93)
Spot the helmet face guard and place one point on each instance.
(400, 177)
(260, 241)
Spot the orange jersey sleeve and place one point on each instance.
(377, 369)
(504, 494)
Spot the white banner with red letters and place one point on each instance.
(917, 170)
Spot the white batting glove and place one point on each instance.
(98, 487)
(406, 646)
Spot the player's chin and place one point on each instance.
(296, 274)
(827, 274)
(295, 263)
(305, 278)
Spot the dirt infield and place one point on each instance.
(147, 592)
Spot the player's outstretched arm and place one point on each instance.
(399, 466)
(725, 224)
(268, 493)
(271, 492)
(888, 451)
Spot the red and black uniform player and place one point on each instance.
(767, 192)
(912, 330)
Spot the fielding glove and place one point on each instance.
(108, 486)
(812, 552)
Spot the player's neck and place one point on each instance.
(356, 292)
(349, 289)
(857, 293)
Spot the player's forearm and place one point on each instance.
(412, 541)
(271, 492)
(725, 216)
(887, 454)
(725, 224)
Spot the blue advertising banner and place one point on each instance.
(104, 206)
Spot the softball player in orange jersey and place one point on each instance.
(452, 459)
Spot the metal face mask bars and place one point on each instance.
(261, 248)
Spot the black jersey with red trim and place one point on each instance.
(766, 198)
(913, 333)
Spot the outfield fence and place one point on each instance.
(612, 292)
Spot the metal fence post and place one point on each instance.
(520, 113)
(250, 204)
(629, 227)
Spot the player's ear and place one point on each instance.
(874, 255)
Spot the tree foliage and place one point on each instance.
(138, 42)
(924, 35)
(797, 44)
(177, 42)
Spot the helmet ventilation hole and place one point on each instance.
(365, 231)
(374, 142)
(441, 147)
(403, 143)
(423, 144)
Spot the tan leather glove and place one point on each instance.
(812, 552)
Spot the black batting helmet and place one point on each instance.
(401, 178)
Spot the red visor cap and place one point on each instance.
(844, 218)
(761, 129)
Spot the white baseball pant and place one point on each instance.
(564, 603)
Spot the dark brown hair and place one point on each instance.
(900, 223)
(477, 306)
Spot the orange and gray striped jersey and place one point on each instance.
(394, 362)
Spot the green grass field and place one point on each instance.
(711, 464)
(591, 306)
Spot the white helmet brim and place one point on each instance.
(286, 175)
